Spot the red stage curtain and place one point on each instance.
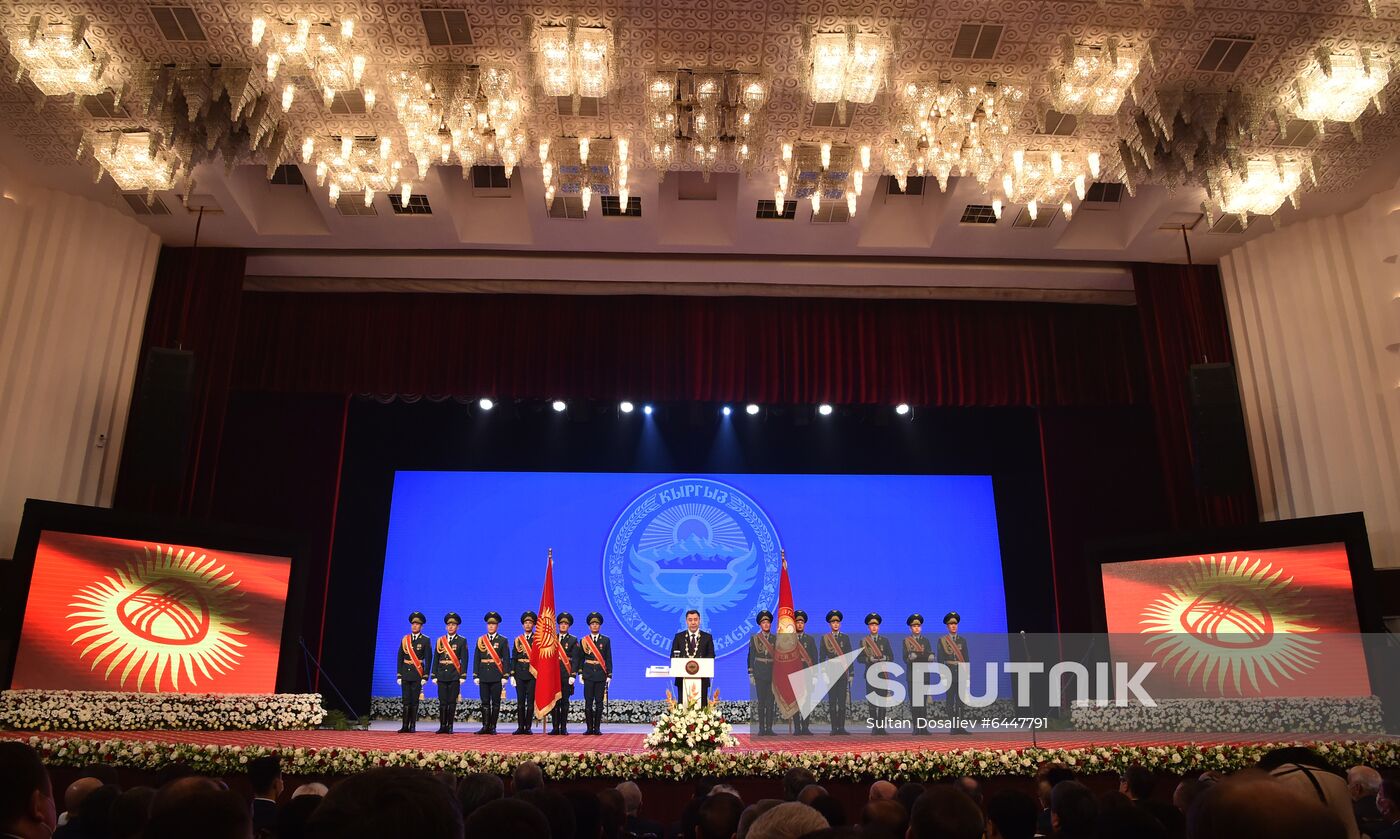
(766, 350)
(1184, 322)
(195, 300)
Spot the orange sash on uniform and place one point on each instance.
(951, 646)
(873, 648)
(593, 648)
(484, 642)
(451, 653)
(832, 644)
(413, 656)
(803, 649)
(765, 641)
(564, 657)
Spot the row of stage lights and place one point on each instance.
(560, 406)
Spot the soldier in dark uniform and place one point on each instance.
(834, 645)
(874, 648)
(916, 649)
(597, 673)
(952, 651)
(570, 659)
(807, 652)
(448, 670)
(523, 678)
(490, 665)
(415, 665)
(761, 652)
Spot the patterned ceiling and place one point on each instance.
(767, 37)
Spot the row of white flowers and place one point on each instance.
(681, 765)
(1347, 715)
(94, 710)
(690, 727)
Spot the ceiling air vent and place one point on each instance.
(769, 210)
(1101, 192)
(1044, 218)
(178, 23)
(136, 202)
(417, 205)
(1223, 55)
(354, 205)
(612, 206)
(1058, 124)
(104, 106)
(1227, 223)
(977, 40)
(587, 106)
(913, 185)
(828, 115)
(978, 214)
(832, 211)
(1177, 222)
(446, 27)
(566, 206)
(1297, 133)
(348, 102)
(288, 174)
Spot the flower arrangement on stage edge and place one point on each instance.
(690, 727)
(922, 766)
(97, 710)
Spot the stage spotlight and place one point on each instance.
(726, 410)
(752, 410)
(626, 407)
(902, 408)
(646, 409)
(559, 406)
(485, 404)
(824, 409)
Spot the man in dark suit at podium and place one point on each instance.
(693, 643)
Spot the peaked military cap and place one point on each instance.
(592, 616)
(834, 615)
(528, 615)
(799, 615)
(452, 617)
(565, 617)
(417, 617)
(492, 617)
(873, 617)
(915, 618)
(952, 617)
(764, 615)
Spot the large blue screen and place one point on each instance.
(642, 548)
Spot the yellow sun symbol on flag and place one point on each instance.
(1228, 619)
(169, 612)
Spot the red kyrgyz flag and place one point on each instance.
(788, 658)
(544, 648)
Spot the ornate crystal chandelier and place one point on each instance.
(582, 167)
(58, 60)
(475, 114)
(706, 111)
(943, 126)
(324, 53)
(847, 67)
(1038, 177)
(360, 166)
(822, 172)
(1338, 87)
(1094, 79)
(574, 60)
(137, 161)
(1258, 186)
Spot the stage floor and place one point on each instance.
(623, 739)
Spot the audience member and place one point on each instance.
(788, 820)
(685, 826)
(104, 772)
(477, 789)
(810, 793)
(944, 812)
(1253, 804)
(830, 809)
(293, 816)
(527, 776)
(1388, 805)
(751, 814)
(508, 818)
(886, 818)
(74, 795)
(387, 802)
(1011, 815)
(130, 812)
(718, 817)
(1187, 792)
(1138, 783)
(1309, 775)
(726, 789)
(27, 807)
(1047, 776)
(1120, 817)
(614, 812)
(95, 814)
(203, 810)
(1363, 783)
(588, 814)
(1073, 811)
(555, 807)
(882, 791)
(265, 774)
(907, 794)
(795, 780)
(634, 823)
(972, 788)
(315, 788)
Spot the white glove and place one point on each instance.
(398, 680)
(476, 681)
(610, 680)
(571, 681)
(435, 680)
(512, 681)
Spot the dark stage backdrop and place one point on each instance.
(1096, 395)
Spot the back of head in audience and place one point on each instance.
(1253, 804)
(794, 780)
(203, 810)
(971, 788)
(77, 791)
(130, 812)
(1011, 815)
(1137, 782)
(95, 813)
(614, 812)
(477, 789)
(908, 793)
(810, 793)
(1388, 799)
(753, 812)
(315, 788)
(555, 807)
(508, 817)
(944, 812)
(788, 820)
(882, 791)
(885, 817)
(527, 776)
(265, 774)
(293, 816)
(1186, 792)
(382, 802)
(1363, 782)
(718, 817)
(1121, 818)
(27, 807)
(631, 797)
(588, 814)
(830, 808)
(1073, 811)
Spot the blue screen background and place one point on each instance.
(476, 541)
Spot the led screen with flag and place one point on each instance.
(127, 615)
(1271, 622)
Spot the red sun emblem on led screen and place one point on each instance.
(116, 614)
(1274, 622)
